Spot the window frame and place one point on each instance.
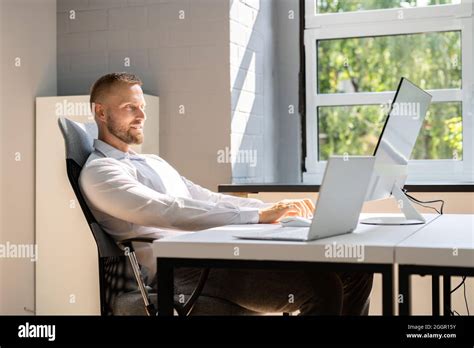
(368, 23)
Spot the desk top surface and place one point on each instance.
(367, 244)
(299, 187)
(449, 241)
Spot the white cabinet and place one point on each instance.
(67, 279)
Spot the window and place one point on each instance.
(357, 51)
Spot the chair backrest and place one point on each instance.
(79, 138)
(115, 273)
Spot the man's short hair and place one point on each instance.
(104, 84)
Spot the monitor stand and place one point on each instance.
(412, 216)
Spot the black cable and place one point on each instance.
(465, 298)
(425, 206)
(416, 199)
(425, 202)
(463, 284)
(457, 287)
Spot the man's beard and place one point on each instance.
(124, 133)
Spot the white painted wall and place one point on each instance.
(286, 29)
(28, 31)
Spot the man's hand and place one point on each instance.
(287, 207)
(305, 206)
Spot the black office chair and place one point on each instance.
(118, 279)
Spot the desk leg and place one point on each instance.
(435, 294)
(404, 290)
(446, 294)
(165, 287)
(387, 291)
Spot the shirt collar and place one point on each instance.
(110, 151)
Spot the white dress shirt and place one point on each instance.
(133, 195)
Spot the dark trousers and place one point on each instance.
(267, 291)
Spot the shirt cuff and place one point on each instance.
(249, 216)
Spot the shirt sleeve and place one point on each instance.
(203, 194)
(109, 188)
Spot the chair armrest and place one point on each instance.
(127, 243)
(138, 239)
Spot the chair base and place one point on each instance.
(131, 303)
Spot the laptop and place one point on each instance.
(341, 196)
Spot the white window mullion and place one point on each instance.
(341, 99)
(468, 96)
(400, 15)
(366, 98)
(445, 95)
(309, 10)
(466, 8)
(371, 29)
(311, 160)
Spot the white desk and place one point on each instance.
(445, 247)
(217, 248)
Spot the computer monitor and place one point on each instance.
(393, 151)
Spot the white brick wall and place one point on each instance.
(88, 63)
(251, 60)
(184, 61)
(66, 5)
(133, 17)
(169, 12)
(88, 21)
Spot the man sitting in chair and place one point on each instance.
(134, 195)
